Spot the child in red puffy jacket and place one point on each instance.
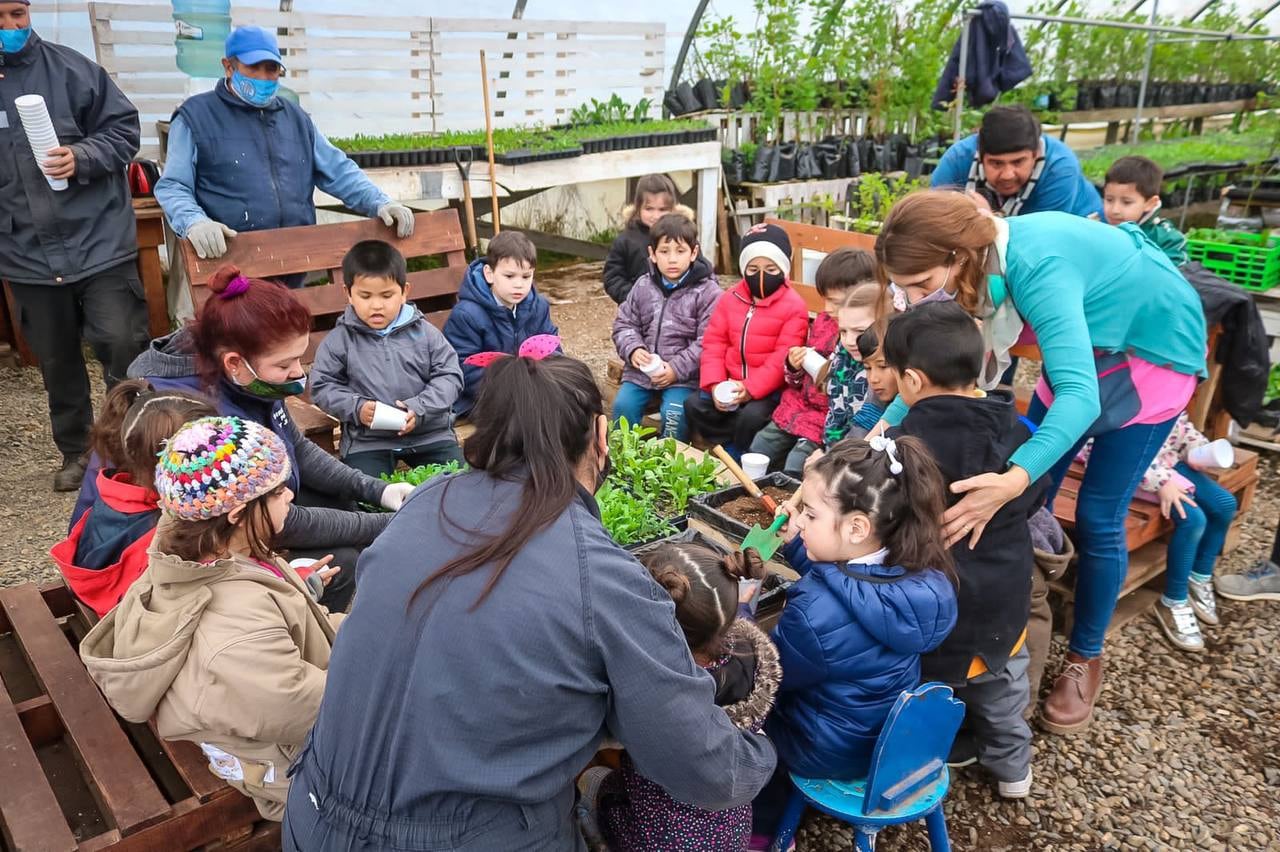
(744, 350)
(107, 548)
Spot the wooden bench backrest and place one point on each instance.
(313, 248)
(816, 240)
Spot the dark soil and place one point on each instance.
(751, 511)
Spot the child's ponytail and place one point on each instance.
(917, 540)
(898, 485)
(105, 436)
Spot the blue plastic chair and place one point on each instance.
(908, 778)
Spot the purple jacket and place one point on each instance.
(668, 323)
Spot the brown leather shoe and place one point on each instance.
(1069, 707)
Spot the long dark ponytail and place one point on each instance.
(536, 421)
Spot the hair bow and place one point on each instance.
(537, 347)
(889, 447)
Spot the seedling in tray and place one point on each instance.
(657, 469)
(629, 518)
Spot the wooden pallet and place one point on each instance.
(76, 776)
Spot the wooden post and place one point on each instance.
(488, 132)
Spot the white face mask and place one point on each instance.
(902, 302)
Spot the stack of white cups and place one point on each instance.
(40, 133)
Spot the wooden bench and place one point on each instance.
(320, 248)
(1147, 537)
(74, 776)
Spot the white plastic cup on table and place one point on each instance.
(388, 417)
(1219, 454)
(813, 362)
(653, 366)
(41, 136)
(755, 465)
(725, 393)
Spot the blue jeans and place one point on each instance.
(632, 400)
(1197, 539)
(1116, 465)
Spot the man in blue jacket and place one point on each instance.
(1016, 168)
(69, 255)
(242, 158)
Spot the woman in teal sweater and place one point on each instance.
(1123, 340)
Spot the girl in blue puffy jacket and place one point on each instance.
(872, 597)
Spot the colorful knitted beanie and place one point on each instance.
(214, 464)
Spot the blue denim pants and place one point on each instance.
(1198, 538)
(1116, 465)
(632, 400)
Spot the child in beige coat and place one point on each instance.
(220, 640)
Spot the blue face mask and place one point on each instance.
(14, 40)
(256, 92)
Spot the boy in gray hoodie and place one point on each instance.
(389, 375)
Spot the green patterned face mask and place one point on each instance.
(273, 390)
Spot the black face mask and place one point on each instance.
(603, 473)
(765, 284)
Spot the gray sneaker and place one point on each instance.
(1179, 623)
(1203, 603)
(1259, 583)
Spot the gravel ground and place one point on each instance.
(1184, 752)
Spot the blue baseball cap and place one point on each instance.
(252, 45)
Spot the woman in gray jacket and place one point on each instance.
(499, 636)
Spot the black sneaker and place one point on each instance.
(964, 751)
(69, 476)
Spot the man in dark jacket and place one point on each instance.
(242, 158)
(937, 352)
(69, 255)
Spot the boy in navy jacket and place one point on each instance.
(498, 309)
(937, 352)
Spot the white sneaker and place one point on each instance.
(1203, 603)
(1015, 789)
(1179, 623)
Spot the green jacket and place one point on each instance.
(1167, 238)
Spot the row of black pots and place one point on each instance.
(1122, 94)
(705, 94)
(440, 156)
(649, 140)
(833, 157)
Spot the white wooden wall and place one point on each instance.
(377, 74)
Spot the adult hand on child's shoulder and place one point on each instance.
(411, 422)
(366, 412)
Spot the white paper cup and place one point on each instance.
(302, 562)
(388, 417)
(813, 361)
(1217, 453)
(41, 136)
(725, 393)
(653, 366)
(755, 465)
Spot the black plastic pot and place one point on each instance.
(688, 100)
(706, 507)
(1126, 95)
(806, 163)
(735, 167)
(671, 102)
(738, 96)
(765, 167)
(705, 91)
(786, 160)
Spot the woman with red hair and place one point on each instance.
(244, 351)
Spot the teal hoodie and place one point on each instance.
(1083, 286)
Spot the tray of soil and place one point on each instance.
(734, 512)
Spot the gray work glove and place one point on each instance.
(399, 216)
(209, 238)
